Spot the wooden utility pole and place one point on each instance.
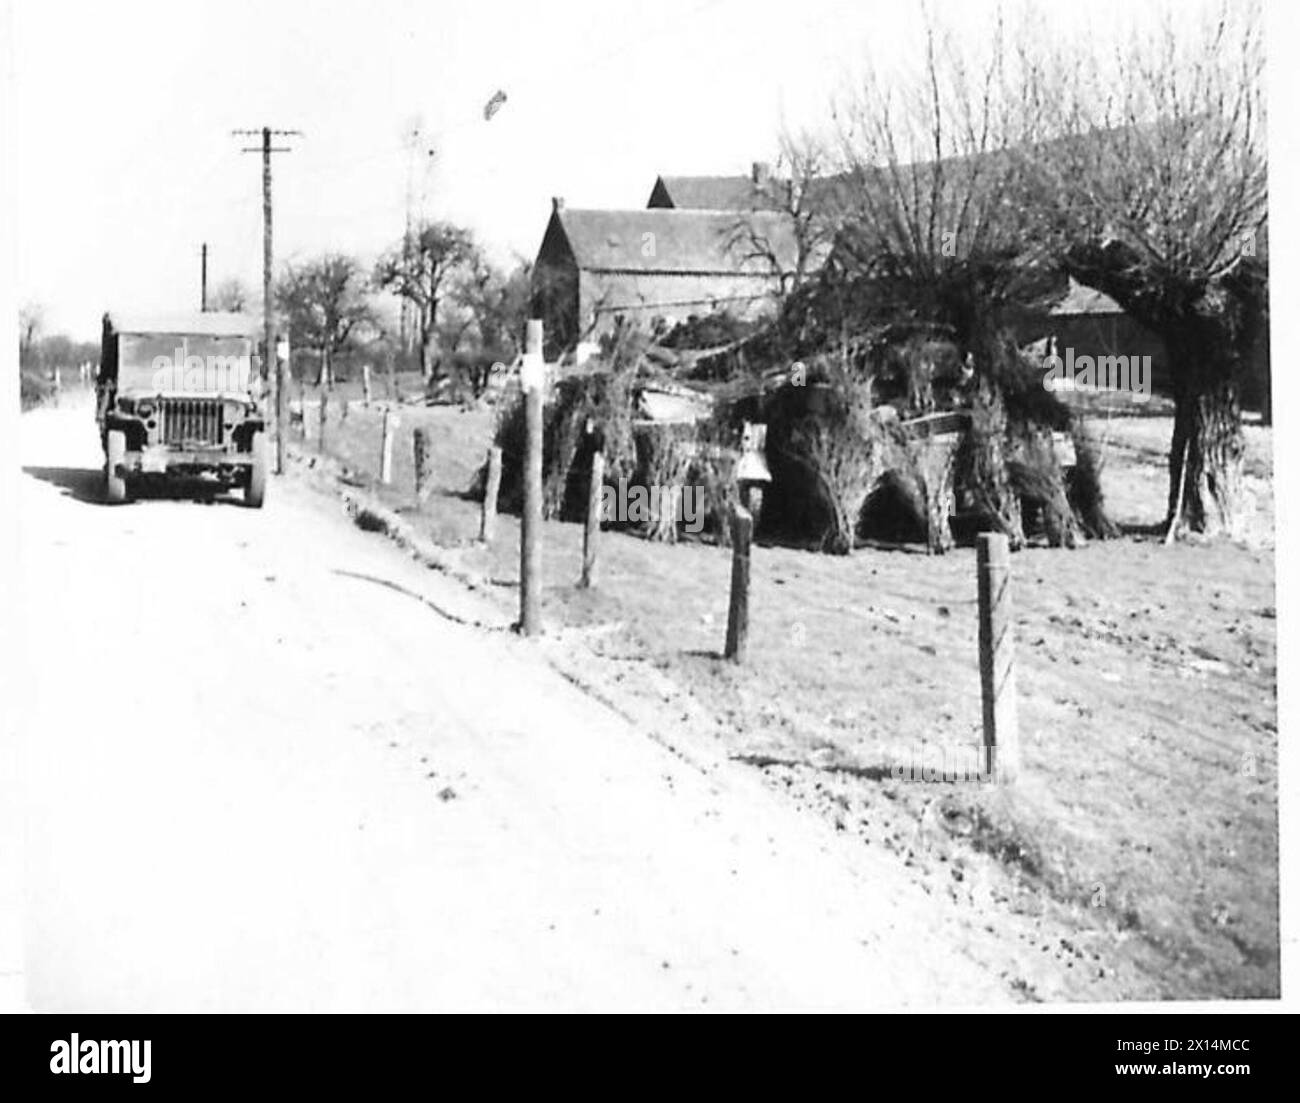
(203, 279)
(742, 532)
(422, 448)
(533, 378)
(1001, 752)
(591, 533)
(268, 302)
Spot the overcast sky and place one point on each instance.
(124, 110)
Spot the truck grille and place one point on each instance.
(187, 421)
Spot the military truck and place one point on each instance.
(182, 397)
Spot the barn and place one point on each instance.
(646, 266)
(755, 192)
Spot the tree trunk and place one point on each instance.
(1207, 428)
(426, 355)
(428, 319)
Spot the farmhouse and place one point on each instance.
(706, 244)
(655, 266)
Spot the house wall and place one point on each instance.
(645, 296)
(554, 291)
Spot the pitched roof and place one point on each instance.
(667, 240)
(212, 323)
(1084, 300)
(713, 193)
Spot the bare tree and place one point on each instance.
(801, 190)
(231, 294)
(936, 216)
(498, 302)
(419, 270)
(31, 320)
(326, 306)
(1159, 185)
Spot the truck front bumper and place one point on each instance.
(172, 461)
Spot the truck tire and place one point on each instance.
(114, 454)
(255, 490)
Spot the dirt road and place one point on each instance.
(269, 767)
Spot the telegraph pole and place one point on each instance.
(413, 146)
(203, 280)
(268, 305)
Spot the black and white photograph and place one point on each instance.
(694, 507)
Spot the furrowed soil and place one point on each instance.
(1137, 856)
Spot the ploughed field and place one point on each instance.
(1137, 856)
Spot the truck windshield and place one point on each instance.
(138, 351)
(171, 363)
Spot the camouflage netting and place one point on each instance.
(849, 443)
(849, 406)
(597, 410)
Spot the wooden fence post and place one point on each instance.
(324, 415)
(365, 385)
(386, 447)
(1001, 750)
(591, 533)
(423, 465)
(532, 376)
(488, 519)
(742, 532)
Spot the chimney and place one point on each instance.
(557, 203)
(760, 173)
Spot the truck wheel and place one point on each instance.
(255, 491)
(115, 453)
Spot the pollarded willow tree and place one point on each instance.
(939, 223)
(936, 215)
(1157, 182)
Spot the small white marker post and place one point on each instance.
(282, 381)
(488, 518)
(386, 454)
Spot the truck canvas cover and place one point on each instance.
(207, 353)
